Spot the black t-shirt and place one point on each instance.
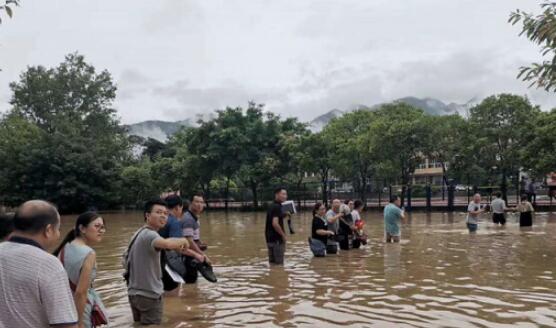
(319, 224)
(345, 229)
(274, 211)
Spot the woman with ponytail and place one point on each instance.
(319, 231)
(79, 260)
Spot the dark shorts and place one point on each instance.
(499, 218)
(276, 252)
(147, 311)
(472, 227)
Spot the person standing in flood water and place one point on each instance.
(191, 229)
(498, 208)
(526, 211)
(393, 215)
(34, 285)
(474, 209)
(79, 260)
(145, 286)
(319, 231)
(274, 228)
(332, 216)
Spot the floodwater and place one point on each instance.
(440, 276)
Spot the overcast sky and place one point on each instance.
(172, 59)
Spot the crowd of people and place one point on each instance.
(41, 289)
(57, 289)
(498, 209)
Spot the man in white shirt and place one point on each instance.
(474, 209)
(498, 208)
(35, 287)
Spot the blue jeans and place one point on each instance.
(472, 227)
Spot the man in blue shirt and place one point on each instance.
(172, 229)
(393, 215)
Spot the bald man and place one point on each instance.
(34, 284)
(332, 217)
(474, 209)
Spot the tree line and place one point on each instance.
(62, 141)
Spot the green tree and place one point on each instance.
(502, 124)
(400, 132)
(319, 159)
(539, 151)
(82, 144)
(540, 29)
(354, 149)
(7, 7)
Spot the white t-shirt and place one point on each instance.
(355, 215)
(472, 207)
(498, 205)
(34, 287)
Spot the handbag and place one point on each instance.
(98, 318)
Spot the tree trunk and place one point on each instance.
(255, 195)
(226, 193)
(504, 186)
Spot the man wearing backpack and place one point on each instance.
(145, 287)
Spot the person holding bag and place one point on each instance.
(79, 261)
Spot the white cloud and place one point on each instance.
(174, 59)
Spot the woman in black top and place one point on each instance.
(319, 230)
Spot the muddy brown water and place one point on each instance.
(440, 276)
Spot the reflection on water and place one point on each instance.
(441, 276)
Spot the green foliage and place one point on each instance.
(541, 29)
(7, 7)
(538, 154)
(79, 141)
(502, 124)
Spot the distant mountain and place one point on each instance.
(320, 122)
(162, 130)
(429, 105)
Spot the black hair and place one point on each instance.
(347, 201)
(151, 203)
(173, 201)
(316, 208)
(524, 197)
(197, 194)
(498, 194)
(82, 220)
(357, 204)
(394, 198)
(36, 220)
(6, 225)
(279, 189)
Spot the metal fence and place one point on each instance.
(426, 197)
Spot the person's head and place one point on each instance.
(280, 194)
(319, 210)
(395, 199)
(336, 205)
(497, 194)
(156, 213)
(175, 205)
(349, 203)
(477, 198)
(38, 220)
(358, 205)
(89, 226)
(524, 198)
(344, 209)
(197, 204)
(6, 226)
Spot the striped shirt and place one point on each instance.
(34, 287)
